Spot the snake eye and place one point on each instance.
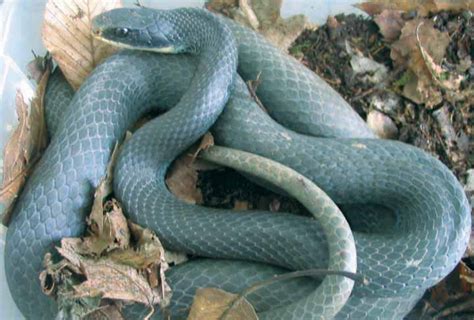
(121, 32)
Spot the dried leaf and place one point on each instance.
(390, 23)
(147, 252)
(206, 142)
(25, 146)
(37, 67)
(407, 52)
(182, 179)
(247, 9)
(114, 233)
(182, 175)
(211, 303)
(443, 78)
(264, 16)
(108, 312)
(240, 205)
(107, 224)
(107, 279)
(221, 5)
(67, 36)
(423, 7)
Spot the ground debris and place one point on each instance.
(117, 262)
(425, 97)
(28, 141)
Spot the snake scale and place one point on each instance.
(410, 216)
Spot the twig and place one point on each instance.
(252, 85)
(460, 307)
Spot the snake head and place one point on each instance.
(138, 29)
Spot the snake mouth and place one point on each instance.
(169, 49)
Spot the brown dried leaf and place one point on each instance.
(182, 180)
(422, 6)
(37, 67)
(443, 78)
(220, 5)
(407, 52)
(240, 205)
(147, 252)
(264, 16)
(107, 224)
(182, 175)
(67, 36)
(281, 32)
(390, 23)
(25, 146)
(114, 233)
(206, 141)
(108, 312)
(211, 303)
(108, 279)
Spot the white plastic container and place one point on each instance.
(20, 34)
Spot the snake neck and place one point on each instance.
(211, 41)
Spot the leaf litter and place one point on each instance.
(118, 261)
(28, 141)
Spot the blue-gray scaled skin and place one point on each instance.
(426, 216)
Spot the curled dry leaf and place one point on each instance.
(423, 7)
(107, 279)
(147, 252)
(26, 144)
(37, 67)
(443, 78)
(135, 274)
(212, 303)
(182, 176)
(264, 16)
(107, 224)
(67, 36)
(390, 23)
(419, 39)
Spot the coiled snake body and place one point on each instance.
(427, 211)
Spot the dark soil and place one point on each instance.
(325, 52)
